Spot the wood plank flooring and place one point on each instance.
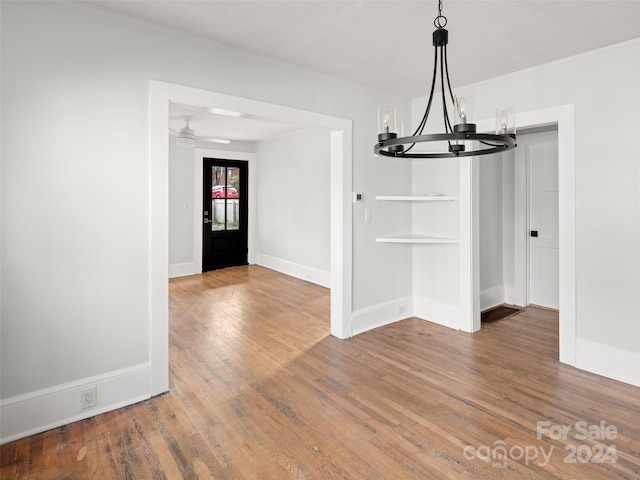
(260, 390)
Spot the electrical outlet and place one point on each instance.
(89, 397)
(402, 310)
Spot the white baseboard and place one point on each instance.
(382, 314)
(389, 312)
(436, 312)
(42, 410)
(182, 269)
(492, 297)
(310, 274)
(608, 361)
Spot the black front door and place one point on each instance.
(224, 214)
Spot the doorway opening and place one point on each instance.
(519, 223)
(519, 248)
(562, 119)
(161, 94)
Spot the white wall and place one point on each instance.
(491, 233)
(438, 219)
(181, 203)
(75, 282)
(293, 202)
(509, 225)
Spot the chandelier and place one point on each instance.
(458, 138)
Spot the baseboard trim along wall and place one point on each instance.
(42, 410)
(389, 312)
(607, 361)
(436, 312)
(379, 315)
(182, 269)
(310, 274)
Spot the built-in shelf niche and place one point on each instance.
(416, 239)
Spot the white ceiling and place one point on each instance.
(387, 45)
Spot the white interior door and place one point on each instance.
(543, 225)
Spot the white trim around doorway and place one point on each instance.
(160, 94)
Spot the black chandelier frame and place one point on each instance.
(390, 145)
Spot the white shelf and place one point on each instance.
(415, 239)
(417, 198)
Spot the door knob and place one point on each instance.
(534, 233)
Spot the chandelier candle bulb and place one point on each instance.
(387, 119)
(462, 109)
(505, 120)
(387, 127)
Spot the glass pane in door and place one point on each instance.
(218, 196)
(225, 198)
(233, 199)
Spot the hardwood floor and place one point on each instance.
(260, 390)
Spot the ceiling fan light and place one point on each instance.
(226, 113)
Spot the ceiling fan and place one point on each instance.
(186, 136)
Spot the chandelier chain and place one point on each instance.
(440, 21)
